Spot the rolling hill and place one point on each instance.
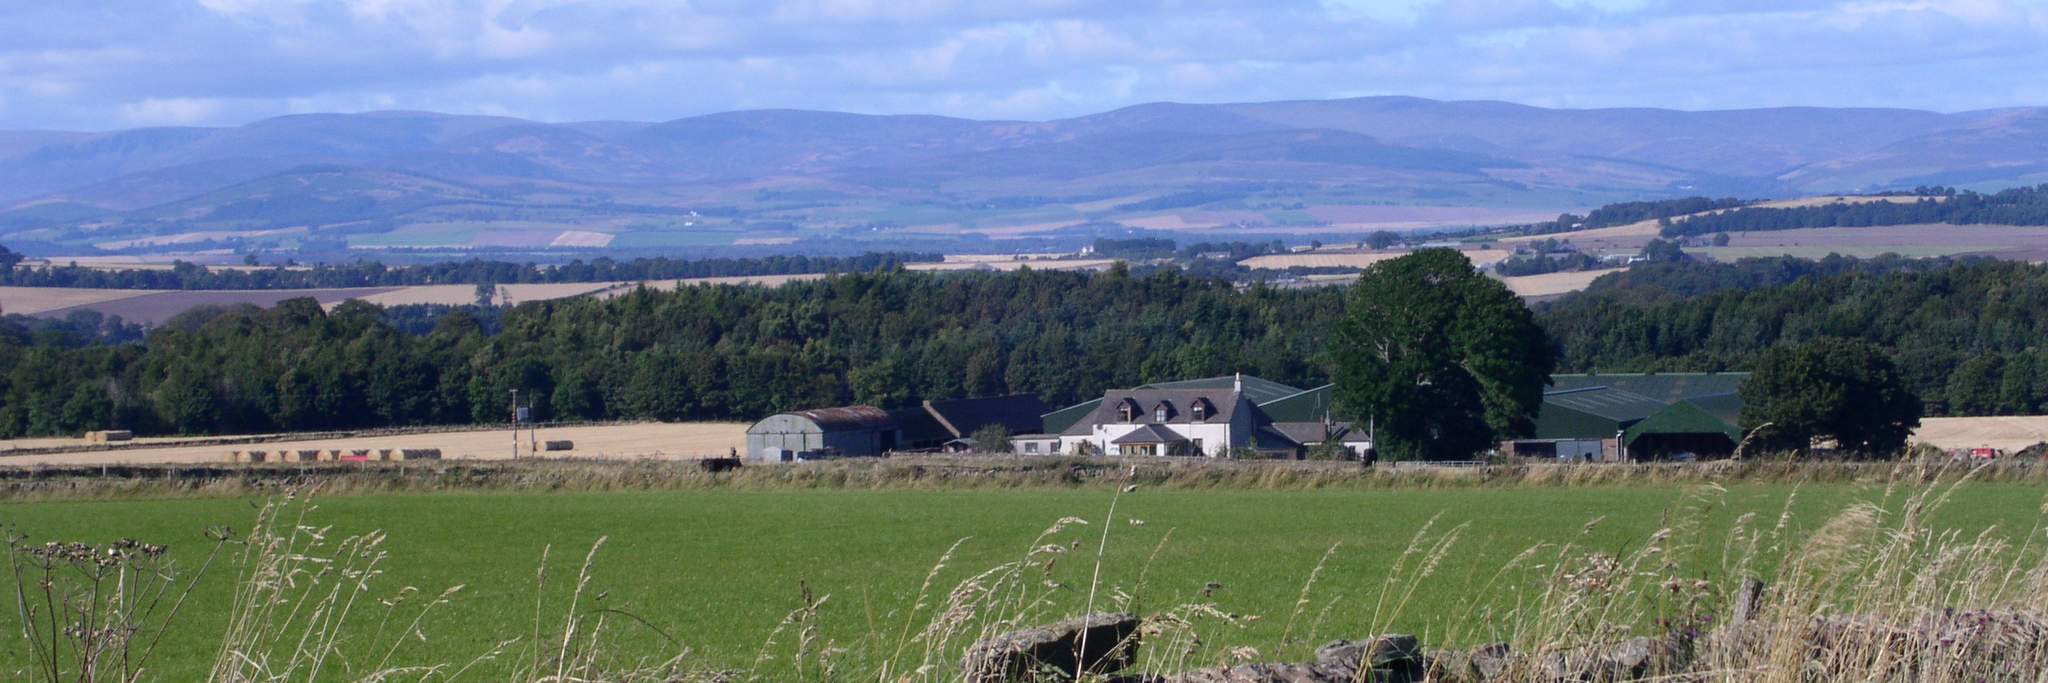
(425, 180)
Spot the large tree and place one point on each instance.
(1442, 359)
(1829, 388)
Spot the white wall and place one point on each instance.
(1105, 435)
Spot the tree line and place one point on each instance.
(1965, 334)
(1624, 213)
(694, 353)
(2014, 206)
(185, 275)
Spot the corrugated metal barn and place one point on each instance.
(822, 433)
(1636, 417)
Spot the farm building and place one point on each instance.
(1212, 417)
(950, 424)
(866, 430)
(1604, 417)
(822, 433)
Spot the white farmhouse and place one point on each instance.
(1199, 418)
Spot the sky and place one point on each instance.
(116, 64)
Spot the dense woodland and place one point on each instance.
(1970, 336)
(725, 352)
(1967, 333)
(372, 274)
(2016, 206)
(1624, 213)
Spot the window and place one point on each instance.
(1126, 411)
(1198, 445)
(1031, 447)
(1200, 410)
(1159, 413)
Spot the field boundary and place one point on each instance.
(61, 482)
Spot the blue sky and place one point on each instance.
(103, 65)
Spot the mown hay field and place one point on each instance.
(157, 306)
(719, 569)
(2007, 433)
(1553, 284)
(1353, 259)
(652, 440)
(34, 300)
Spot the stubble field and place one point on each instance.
(650, 440)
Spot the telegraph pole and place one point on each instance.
(515, 424)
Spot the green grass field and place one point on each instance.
(719, 569)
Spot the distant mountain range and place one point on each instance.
(783, 179)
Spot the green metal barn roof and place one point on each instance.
(1597, 406)
(1728, 407)
(1059, 420)
(1618, 405)
(1683, 417)
(1308, 406)
(1669, 387)
(1256, 390)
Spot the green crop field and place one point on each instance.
(719, 569)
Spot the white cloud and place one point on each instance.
(173, 111)
(223, 61)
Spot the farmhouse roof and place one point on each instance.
(1225, 402)
(1306, 433)
(1255, 389)
(1150, 433)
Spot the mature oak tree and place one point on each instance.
(1442, 359)
(1838, 389)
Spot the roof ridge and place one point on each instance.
(1650, 374)
(1304, 392)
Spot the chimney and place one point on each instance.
(1237, 383)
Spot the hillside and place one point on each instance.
(807, 180)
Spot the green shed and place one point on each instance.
(1682, 427)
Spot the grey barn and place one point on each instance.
(821, 433)
(867, 430)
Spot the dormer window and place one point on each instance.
(1159, 413)
(1127, 410)
(1199, 410)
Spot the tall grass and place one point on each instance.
(936, 473)
(1878, 592)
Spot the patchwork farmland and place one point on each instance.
(157, 306)
(681, 441)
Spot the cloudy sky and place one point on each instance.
(102, 65)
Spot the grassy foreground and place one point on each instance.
(719, 572)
